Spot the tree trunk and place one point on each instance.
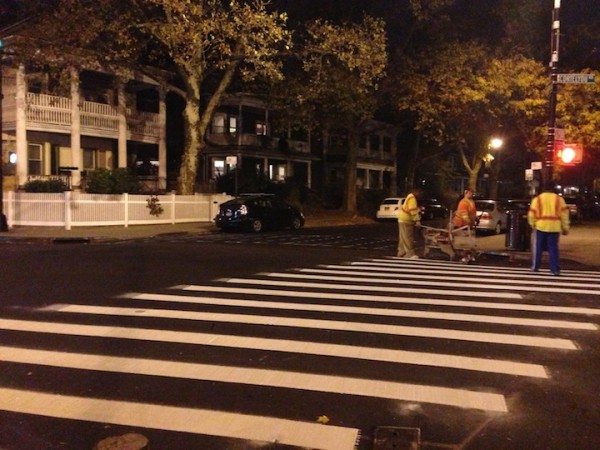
(411, 167)
(473, 171)
(350, 185)
(325, 166)
(196, 124)
(191, 146)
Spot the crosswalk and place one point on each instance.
(298, 345)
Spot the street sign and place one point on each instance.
(559, 134)
(575, 78)
(536, 165)
(528, 174)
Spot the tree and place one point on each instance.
(343, 65)
(200, 42)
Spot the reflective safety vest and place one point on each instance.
(548, 212)
(465, 213)
(409, 212)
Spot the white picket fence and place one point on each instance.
(76, 209)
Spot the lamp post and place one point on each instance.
(494, 144)
(3, 222)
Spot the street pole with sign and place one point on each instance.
(554, 54)
(3, 222)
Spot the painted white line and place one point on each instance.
(356, 287)
(485, 274)
(359, 327)
(447, 277)
(186, 420)
(429, 262)
(260, 377)
(478, 318)
(393, 299)
(281, 345)
(459, 286)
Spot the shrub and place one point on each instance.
(105, 181)
(50, 185)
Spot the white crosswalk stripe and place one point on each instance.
(474, 315)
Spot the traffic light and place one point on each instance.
(568, 154)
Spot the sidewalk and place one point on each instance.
(581, 245)
(116, 233)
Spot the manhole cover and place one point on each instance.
(397, 438)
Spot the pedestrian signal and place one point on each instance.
(569, 154)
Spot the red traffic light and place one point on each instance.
(569, 154)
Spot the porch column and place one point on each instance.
(122, 128)
(309, 175)
(368, 179)
(162, 141)
(76, 154)
(288, 169)
(266, 167)
(21, 127)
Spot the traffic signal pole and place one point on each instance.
(554, 55)
(3, 223)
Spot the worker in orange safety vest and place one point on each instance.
(548, 216)
(466, 211)
(408, 217)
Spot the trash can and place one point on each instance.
(517, 231)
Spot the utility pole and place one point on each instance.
(554, 55)
(3, 222)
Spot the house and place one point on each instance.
(242, 134)
(93, 120)
(376, 160)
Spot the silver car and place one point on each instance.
(491, 216)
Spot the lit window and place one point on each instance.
(218, 124)
(232, 125)
(89, 159)
(218, 167)
(261, 128)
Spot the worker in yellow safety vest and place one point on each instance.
(548, 216)
(408, 217)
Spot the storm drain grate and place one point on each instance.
(397, 438)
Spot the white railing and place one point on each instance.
(71, 209)
(43, 109)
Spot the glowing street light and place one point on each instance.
(496, 143)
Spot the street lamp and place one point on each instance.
(496, 143)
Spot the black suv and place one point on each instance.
(257, 212)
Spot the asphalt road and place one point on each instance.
(228, 341)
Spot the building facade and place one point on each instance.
(97, 121)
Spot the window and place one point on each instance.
(363, 141)
(89, 159)
(34, 156)
(218, 124)
(374, 143)
(232, 125)
(387, 144)
(261, 128)
(218, 168)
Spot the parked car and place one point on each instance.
(491, 216)
(574, 208)
(258, 212)
(389, 208)
(433, 209)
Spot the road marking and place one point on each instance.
(448, 277)
(280, 345)
(486, 274)
(356, 287)
(360, 327)
(393, 299)
(260, 377)
(186, 420)
(429, 262)
(478, 318)
(413, 281)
